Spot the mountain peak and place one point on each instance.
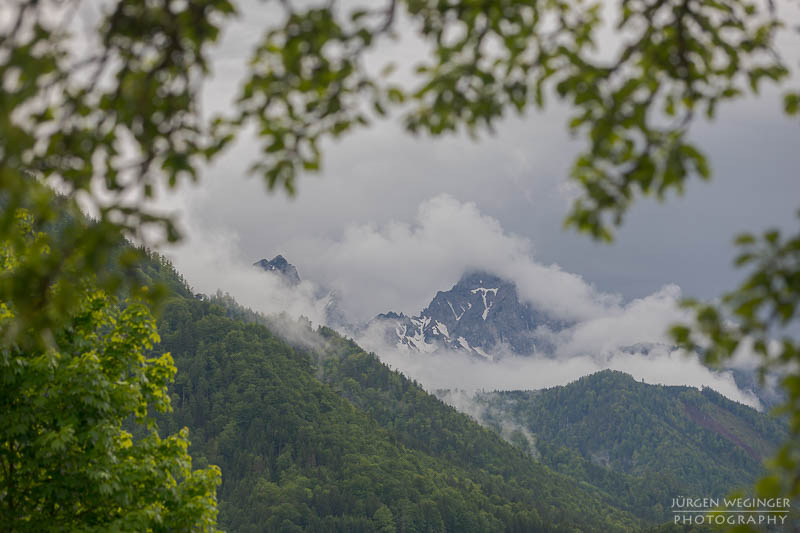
(480, 314)
(280, 266)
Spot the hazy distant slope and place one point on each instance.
(665, 440)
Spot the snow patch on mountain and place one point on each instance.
(483, 291)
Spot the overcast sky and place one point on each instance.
(393, 218)
(517, 177)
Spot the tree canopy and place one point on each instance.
(66, 461)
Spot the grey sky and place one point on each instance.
(516, 177)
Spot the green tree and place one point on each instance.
(125, 117)
(384, 521)
(66, 463)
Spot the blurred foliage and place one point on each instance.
(103, 128)
(66, 463)
(760, 317)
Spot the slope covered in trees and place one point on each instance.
(304, 443)
(644, 442)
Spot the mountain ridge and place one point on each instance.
(320, 436)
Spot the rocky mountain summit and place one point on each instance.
(334, 316)
(282, 267)
(481, 314)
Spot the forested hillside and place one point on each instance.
(342, 443)
(314, 434)
(648, 442)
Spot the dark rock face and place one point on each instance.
(481, 314)
(282, 267)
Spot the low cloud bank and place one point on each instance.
(655, 365)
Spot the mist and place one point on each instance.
(658, 365)
(214, 263)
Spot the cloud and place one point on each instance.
(212, 261)
(640, 322)
(453, 370)
(399, 265)
(518, 176)
(376, 227)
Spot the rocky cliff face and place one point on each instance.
(482, 314)
(280, 266)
